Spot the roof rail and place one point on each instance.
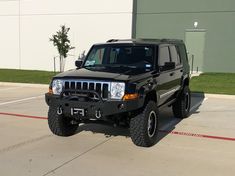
(170, 40)
(146, 40)
(112, 40)
(116, 40)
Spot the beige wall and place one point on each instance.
(90, 22)
(9, 34)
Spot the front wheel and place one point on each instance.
(59, 124)
(181, 108)
(144, 127)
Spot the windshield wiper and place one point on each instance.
(93, 66)
(110, 66)
(120, 66)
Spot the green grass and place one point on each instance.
(215, 83)
(26, 76)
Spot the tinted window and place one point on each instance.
(174, 55)
(164, 55)
(183, 54)
(96, 56)
(130, 55)
(136, 57)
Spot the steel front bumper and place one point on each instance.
(92, 110)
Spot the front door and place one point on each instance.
(195, 43)
(167, 82)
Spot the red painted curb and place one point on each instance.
(162, 131)
(198, 135)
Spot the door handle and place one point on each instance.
(171, 74)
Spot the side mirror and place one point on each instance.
(169, 65)
(78, 63)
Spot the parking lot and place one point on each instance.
(203, 144)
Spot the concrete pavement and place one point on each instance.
(202, 144)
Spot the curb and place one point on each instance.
(221, 96)
(24, 84)
(232, 97)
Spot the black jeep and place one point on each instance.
(123, 82)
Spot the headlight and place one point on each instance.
(57, 86)
(117, 90)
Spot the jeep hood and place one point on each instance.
(83, 73)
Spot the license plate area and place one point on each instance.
(78, 112)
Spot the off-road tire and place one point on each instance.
(181, 108)
(59, 124)
(139, 130)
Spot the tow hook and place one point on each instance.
(59, 111)
(97, 114)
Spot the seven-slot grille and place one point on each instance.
(102, 88)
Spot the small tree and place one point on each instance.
(62, 43)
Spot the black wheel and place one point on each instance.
(59, 124)
(181, 107)
(144, 127)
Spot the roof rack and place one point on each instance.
(170, 40)
(116, 40)
(146, 40)
(112, 40)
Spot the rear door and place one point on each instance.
(178, 72)
(166, 80)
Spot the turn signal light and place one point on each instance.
(130, 96)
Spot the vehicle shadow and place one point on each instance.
(167, 122)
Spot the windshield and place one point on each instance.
(131, 57)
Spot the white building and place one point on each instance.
(27, 25)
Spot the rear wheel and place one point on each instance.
(181, 108)
(59, 124)
(144, 127)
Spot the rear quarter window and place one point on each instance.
(182, 52)
(174, 55)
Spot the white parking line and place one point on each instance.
(20, 100)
